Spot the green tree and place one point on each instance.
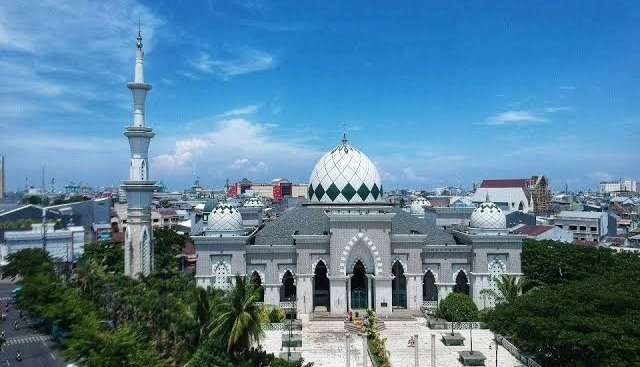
(508, 288)
(109, 255)
(27, 262)
(458, 307)
(168, 244)
(238, 321)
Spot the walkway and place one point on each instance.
(399, 332)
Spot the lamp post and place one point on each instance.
(495, 340)
(347, 338)
(290, 329)
(471, 337)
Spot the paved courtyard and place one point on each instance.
(323, 343)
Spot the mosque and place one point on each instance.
(345, 249)
(348, 249)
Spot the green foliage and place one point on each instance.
(508, 288)
(35, 200)
(582, 311)
(167, 245)
(376, 343)
(458, 307)
(238, 321)
(16, 225)
(27, 262)
(109, 255)
(71, 199)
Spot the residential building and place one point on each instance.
(544, 232)
(66, 244)
(526, 195)
(590, 227)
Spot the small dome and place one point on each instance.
(253, 203)
(418, 205)
(488, 216)
(345, 175)
(224, 219)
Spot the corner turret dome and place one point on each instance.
(253, 203)
(344, 175)
(418, 205)
(488, 216)
(224, 220)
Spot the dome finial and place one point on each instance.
(344, 134)
(139, 38)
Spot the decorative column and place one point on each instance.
(338, 294)
(384, 294)
(304, 293)
(414, 291)
(139, 188)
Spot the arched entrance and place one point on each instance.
(398, 286)
(288, 288)
(429, 290)
(321, 286)
(462, 283)
(257, 283)
(359, 287)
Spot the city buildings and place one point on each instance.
(544, 232)
(64, 244)
(587, 227)
(347, 248)
(607, 187)
(527, 195)
(277, 190)
(2, 187)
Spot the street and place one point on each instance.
(36, 348)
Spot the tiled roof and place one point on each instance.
(313, 221)
(532, 230)
(494, 184)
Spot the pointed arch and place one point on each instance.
(429, 288)
(398, 285)
(373, 250)
(288, 287)
(321, 285)
(256, 280)
(221, 272)
(462, 282)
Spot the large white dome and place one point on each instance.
(345, 175)
(224, 219)
(488, 216)
(418, 205)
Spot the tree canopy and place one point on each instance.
(582, 310)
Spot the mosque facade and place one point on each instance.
(348, 249)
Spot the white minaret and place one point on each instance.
(138, 248)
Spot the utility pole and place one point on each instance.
(417, 344)
(44, 229)
(347, 338)
(433, 350)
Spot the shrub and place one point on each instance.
(277, 315)
(458, 307)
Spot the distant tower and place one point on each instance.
(138, 249)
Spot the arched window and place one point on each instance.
(429, 289)
(221, 276)
(462, 283)
(257, 283)
(288, 288)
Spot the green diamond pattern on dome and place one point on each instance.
(348, 192)
(333, 192)
(319, 192)
(375, 191)
(363, 191)
(310, 192)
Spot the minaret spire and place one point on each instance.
(139, 188)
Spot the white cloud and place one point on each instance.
(409, 174)
(239, 147)
(56, 54)
(240, 111)
(558, 109)
(236, 62)
(514, 117)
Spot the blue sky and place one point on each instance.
(435, 93)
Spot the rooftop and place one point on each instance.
(532, 230)
(582, 215)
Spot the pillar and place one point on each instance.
(383, 295)
(370, 299)
(414, 291)
(272, 294)
(304, 293)
(338, 294)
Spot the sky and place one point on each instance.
(435, 93)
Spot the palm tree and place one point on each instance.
(238, 320)
(508, 288)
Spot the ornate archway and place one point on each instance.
(398, 286)
(362, 239)
(221, 273)
(429, 289)
(321, 289)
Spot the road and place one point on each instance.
(37, 349)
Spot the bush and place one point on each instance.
(277, 315)
(458, 307)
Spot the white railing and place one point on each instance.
(430, 304)
(285, 305)
(516, 352)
